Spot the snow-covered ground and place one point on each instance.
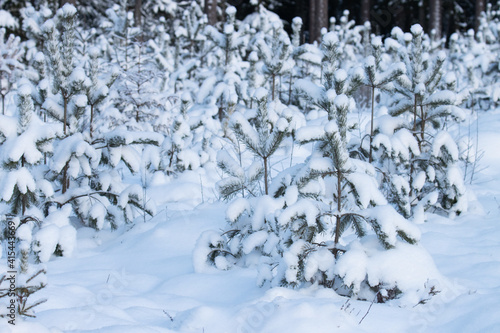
(143, 280)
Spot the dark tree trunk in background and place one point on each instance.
(318, 18)
(365, 11)
(63, 2)
(401, 16)
(422, 11)
(480, 7)
(211, 11)
(312, 20)
(436, 16)
(137, 13)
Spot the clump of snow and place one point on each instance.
(68, 10)
(417, 29)
(392, 223)
(342, 102)
(254, 240)
(320, 260)
(340, 75)
(206, 243)
(297, 21)
(20, 179)
(301, 209)
(310, 133)
(24, 90)
(231, 10)
(377, 41)
(443, 140)
(260, 93)
(7, 20)
(237, 208)
(419, 180)
(367, 189)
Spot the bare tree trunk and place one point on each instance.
(211, 11)
(365, 11)
(480, 7)
(436, 15)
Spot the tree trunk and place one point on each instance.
(480, 7)
(91, 121)
(211, 11)
(339, 215)
(137, 13)
(370, 156)
(266, 186)
(365, 11)
(65, 115)
(312, 20)
(318, 18)
(322, 16)
(436, 15)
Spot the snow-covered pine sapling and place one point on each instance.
(418, 91)
(10, 54)
(66, 78)
(227, 44)
(275, 54)
(119, 24)
(334, 193)
(97, 87)
(262, 139)
(378, 77)
(139, 97)
(427, 106)
(191, 35)
(295, 40)
(31, 277)
(22, 150)
(176, 140)
(335, 81)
